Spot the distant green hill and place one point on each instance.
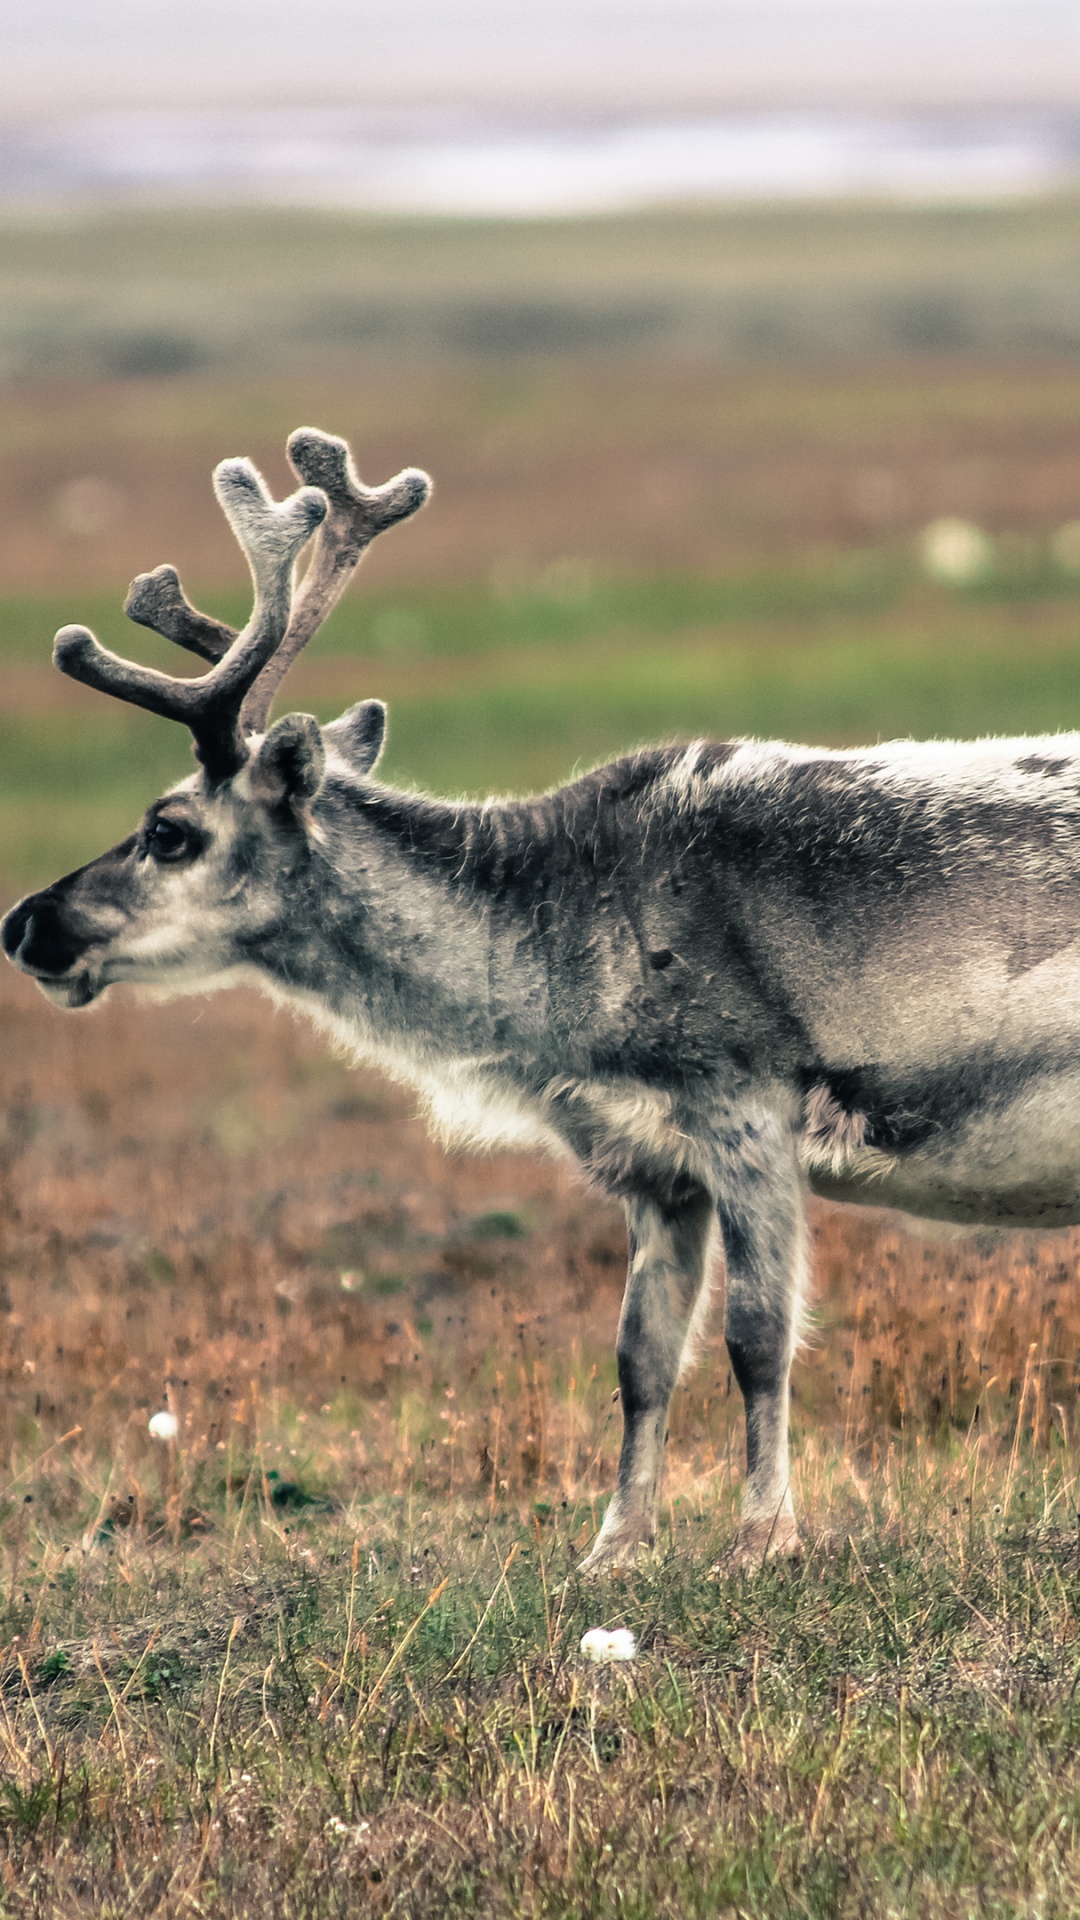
(164, 291)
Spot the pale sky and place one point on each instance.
(537, 55)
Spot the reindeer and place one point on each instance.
(717, 976)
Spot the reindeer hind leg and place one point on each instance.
(763, 1228)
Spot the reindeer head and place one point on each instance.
(191, 892)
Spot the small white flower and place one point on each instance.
(599, 1644)
(163, 1425)
(955, 552)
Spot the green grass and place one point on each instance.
(514, 690)
(162, 291)
(386, 1711)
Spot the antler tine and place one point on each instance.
(271, 535)
(357, 513)
(158, 601)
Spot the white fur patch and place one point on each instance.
(834, 1141)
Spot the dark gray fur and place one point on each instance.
(718, 977)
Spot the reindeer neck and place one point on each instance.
(429, 915)
(491, 854)
(510, 930)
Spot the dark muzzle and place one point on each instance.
(38, 939)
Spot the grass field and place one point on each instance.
(383, 1711)
(160, 291)
(319, 1655)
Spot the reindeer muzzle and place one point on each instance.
(39, 938)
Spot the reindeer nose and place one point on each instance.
(13, 929)
(34, 937)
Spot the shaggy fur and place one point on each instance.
(716, 976)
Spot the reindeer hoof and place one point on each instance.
(613, 1557)
(762, 1540)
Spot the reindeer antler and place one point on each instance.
(271, 536)
(158, 601)
(232, 701)
(357, 513)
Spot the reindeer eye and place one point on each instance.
(167, 840)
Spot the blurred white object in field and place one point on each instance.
(340, 1828)
(599, 1644)
(956, 552)
(163, 1426)
(1065, 547)
(87, 507)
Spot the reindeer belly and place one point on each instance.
(1011, 1159)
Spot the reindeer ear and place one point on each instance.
(359, 735)
(291, 761)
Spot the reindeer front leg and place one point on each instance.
(763, 1228)
(669, 1249)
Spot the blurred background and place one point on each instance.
(699, 312)
(743, 343)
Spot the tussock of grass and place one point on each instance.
(385, 1710)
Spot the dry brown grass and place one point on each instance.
(320, 1656)
(655, 466)
(200, 1207)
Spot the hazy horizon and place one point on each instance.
(573, 56)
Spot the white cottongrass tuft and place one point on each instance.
(342, 1831)
(955, 552)
(599, 1644)
(164, 1425)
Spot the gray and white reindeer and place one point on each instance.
(718, 976)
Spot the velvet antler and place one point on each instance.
(271, 536)
(357, 513)
(232, 701)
